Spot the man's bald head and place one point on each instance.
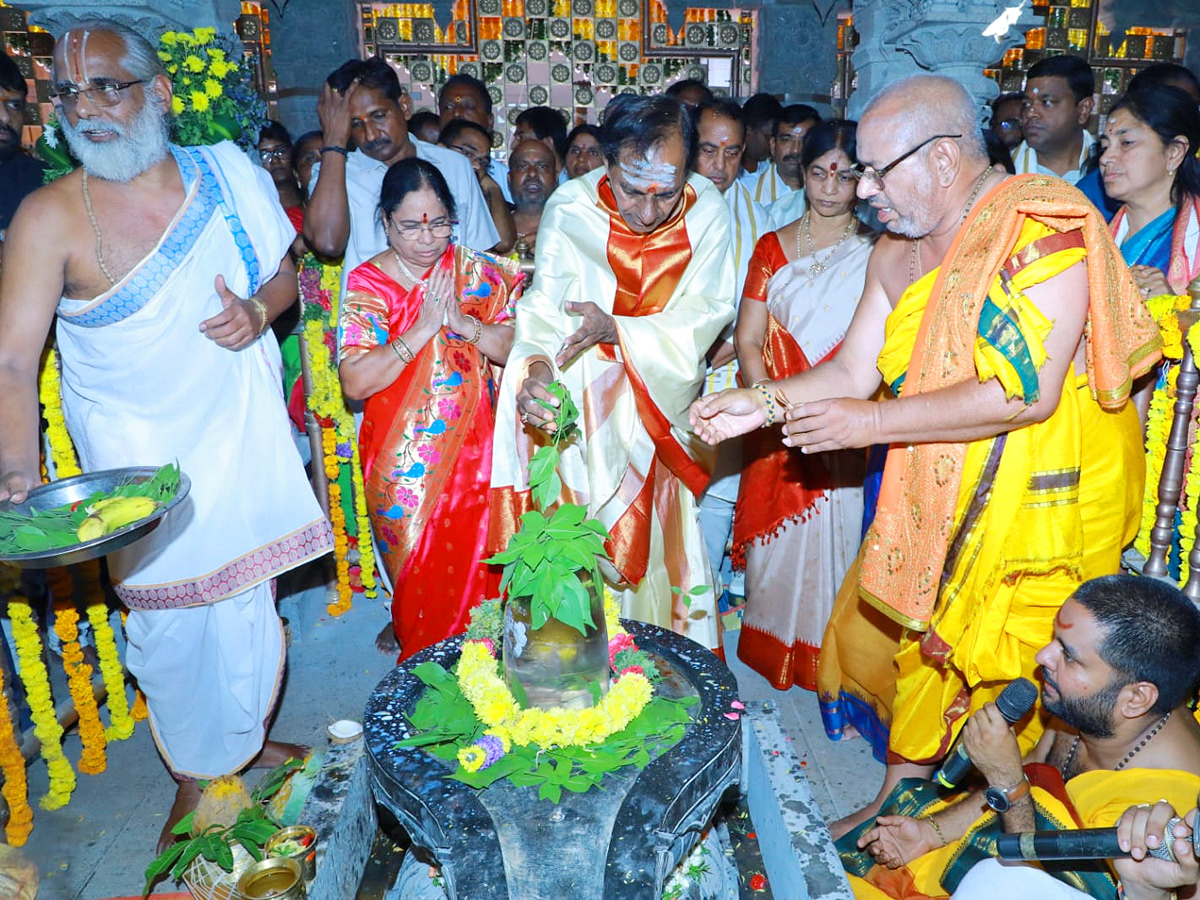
(919, 106)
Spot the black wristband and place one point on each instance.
(341, 150)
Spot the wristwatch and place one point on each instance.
(1002, 799)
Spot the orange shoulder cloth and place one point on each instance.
(904, 556)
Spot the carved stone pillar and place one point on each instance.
(898, 38)
(148, 17)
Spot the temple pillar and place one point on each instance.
(898, 38)
(148, 17)
(797, 49)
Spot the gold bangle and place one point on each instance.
(262, 311)
(478, 330)
(936, 830)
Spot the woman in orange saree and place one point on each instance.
(421, 326)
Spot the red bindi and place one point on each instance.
(833, 167)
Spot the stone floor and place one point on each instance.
(99, 845)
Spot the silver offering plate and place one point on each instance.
(80, 487)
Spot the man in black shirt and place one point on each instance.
(19, 173)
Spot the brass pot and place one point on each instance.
(277, 878)
(306, 856)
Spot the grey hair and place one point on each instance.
(141, 57)
(934, 104)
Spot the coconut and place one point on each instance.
(220, 804)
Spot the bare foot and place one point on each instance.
(850, 733)
(846, 824)
(187, 795)
(276, 753)
(385, 641)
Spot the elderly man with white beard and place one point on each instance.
(164, 265)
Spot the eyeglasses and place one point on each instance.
(874, 177)
(411, 231)
(107, 94)
(278, 154)
(1009, 124)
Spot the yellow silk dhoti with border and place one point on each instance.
(1093, 799)
(1036, 511)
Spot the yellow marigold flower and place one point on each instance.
(193, 63)
(172, 69)
(204, 35)
(216, 54)
(213, 88)
(164, 55)
(169, 38)
(177, 105)
(219, 68)
(472, 758)
(199, 101)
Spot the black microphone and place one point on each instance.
(1086, 843)
(1013, 702)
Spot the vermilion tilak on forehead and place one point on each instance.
(1065, 626)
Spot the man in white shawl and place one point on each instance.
(634, 283)
(164, 266)
(721, 136)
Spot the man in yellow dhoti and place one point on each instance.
(634, 282)
(1118, 675)
(1015, 460)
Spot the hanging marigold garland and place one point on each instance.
(1191, 490)
(120, 721)
(41, 704)
(338, 435)
(15, 788)
(62, 450)
(92, 760)
(1165, 309)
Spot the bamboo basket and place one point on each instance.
(208, 881)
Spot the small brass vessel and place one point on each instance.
(277, 878)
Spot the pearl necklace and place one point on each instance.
(802, 233)
(405, 269)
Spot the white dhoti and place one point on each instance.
(210, 675)
(143, 386)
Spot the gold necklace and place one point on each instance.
(975, 194)
(818, 265)
(87, 204)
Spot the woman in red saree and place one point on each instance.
(798, 519)
(421, 326)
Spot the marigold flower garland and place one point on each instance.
(15, 788)
(41, 704)
(1191, 492)
(62, 450)
(497, 708)
(1165, 310)
(338, 517)
(338, 439)
(120, 721)
(92, 760)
